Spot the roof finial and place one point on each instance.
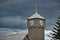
(36, 7)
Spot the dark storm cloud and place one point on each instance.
(14, 7)
(50, 9)
(15, 22)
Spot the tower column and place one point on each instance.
(36, 26)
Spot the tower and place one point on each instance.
(36, 26)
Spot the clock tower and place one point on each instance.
(36, 26)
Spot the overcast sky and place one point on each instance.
(13, 13)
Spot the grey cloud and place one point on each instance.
(13, 22)
(50, 9)
(7, 31)
(50, 23)
(27, 7)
